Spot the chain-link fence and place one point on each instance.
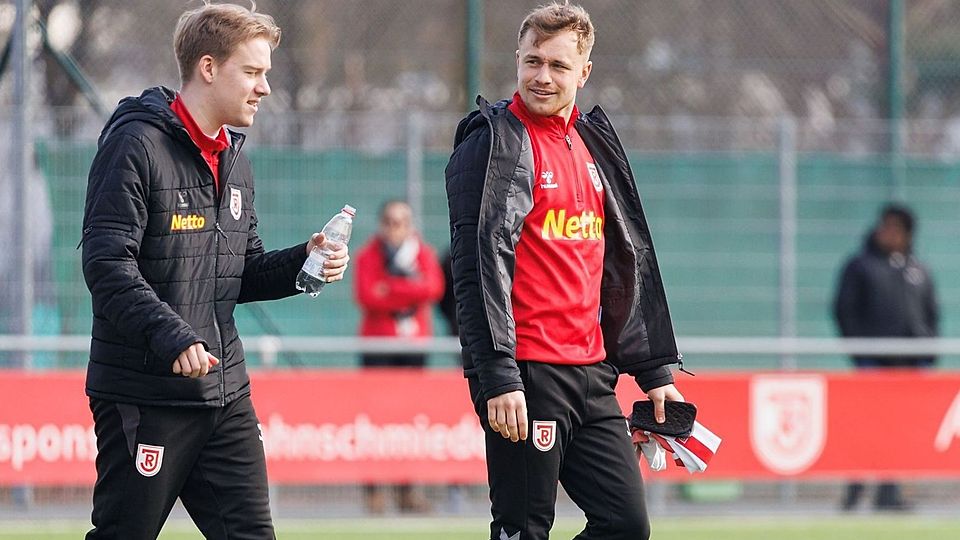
(821, 60)
(713, 189)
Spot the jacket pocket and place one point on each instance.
(152, 365)
(112, 226)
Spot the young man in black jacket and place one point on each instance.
(170, 246)
(558, 292)
(885, 291)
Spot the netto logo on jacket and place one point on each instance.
(557, 226)
(189, 222)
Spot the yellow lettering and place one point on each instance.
(190, 222)
(572, 225)
(586, 226)
(552, 224)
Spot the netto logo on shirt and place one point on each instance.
(557, 226)
(189, 222)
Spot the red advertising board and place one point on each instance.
(326, 426)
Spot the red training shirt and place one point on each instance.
(209, 148)
(559, 260)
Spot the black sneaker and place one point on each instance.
(851, 497)
(899, 505)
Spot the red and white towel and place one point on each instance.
(693, 452)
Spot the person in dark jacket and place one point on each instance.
(884, 291)
(558, 291)
(170, 246)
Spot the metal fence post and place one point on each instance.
(415, 166)
(474, 63)
(787, 148)
(898, 163)
(895, 31)
(22, 146)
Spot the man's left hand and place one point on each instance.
(336, 264)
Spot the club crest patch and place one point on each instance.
(544, 434)
(236, 204)
(788, 421)
(149, 459)
(595, 177)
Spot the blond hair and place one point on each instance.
(550, 20)
(217, 30)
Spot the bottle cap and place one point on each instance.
(351, 211)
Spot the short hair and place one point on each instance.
(217, 30)
(901, 213)
(392, 202)
(552, 19)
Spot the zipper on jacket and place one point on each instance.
(576, 170)
(680, 361)
(216, 323)
(216, 259)
(226, 177)
(83, 236)
(104, 224)
(226, 238)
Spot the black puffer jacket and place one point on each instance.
(166, 260)
(489, 182)
(886, 295)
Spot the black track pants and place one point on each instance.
(579, 438)
(212, 459)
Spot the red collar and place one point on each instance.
(552, 124)
(206, 144)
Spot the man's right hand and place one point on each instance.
(194, 362)
(507, 414)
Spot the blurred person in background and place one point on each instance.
(38, 229)
(170, 246)
(398, 280)
(885, 291)
(558, 291)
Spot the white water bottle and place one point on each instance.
(336, 233)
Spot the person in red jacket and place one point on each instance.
(398, 279)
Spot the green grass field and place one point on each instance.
(699, 528)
